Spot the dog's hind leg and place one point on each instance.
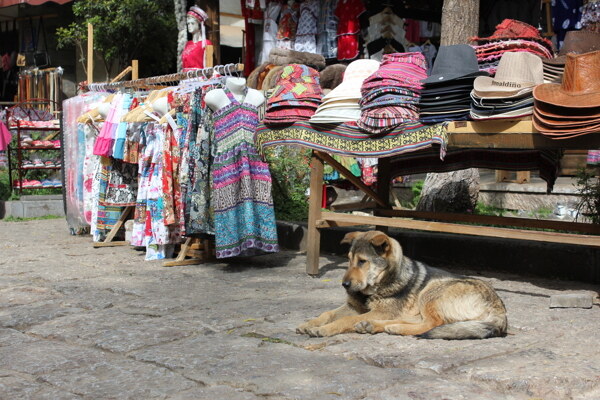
(409, 329)
(327, 317)
(378, 326)
(429, 319)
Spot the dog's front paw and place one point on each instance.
(319, 331)
(364, 327)
(303, 329)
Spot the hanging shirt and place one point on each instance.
(348, 13)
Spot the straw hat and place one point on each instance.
(356, 72)
(517, 73)
(580, 87)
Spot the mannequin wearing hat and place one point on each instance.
(217, 98)
(193, 55)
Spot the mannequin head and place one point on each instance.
(193, 26)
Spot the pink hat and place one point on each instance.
(197, 13)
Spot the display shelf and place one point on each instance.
(28, 168)
(29, 128)
(38, 148)
(20, 151)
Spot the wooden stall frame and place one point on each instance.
(517, 134)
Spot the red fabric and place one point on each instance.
(193, 54)
(412, 30)
(347, 47)
(513, 29)
(348, 12)
(250, 41)
(5, 136)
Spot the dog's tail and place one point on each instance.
(465, 330)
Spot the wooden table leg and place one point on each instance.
(313, 245)
(383, 185)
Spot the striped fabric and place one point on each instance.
(349, 140)
(391, 94)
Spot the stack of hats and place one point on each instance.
(390, 96)
(509, 93)
(296, 96)
(510, 36)
(571, 108)
(446, 92)
(341, 104)
(577, 42)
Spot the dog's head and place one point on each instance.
(372, 254)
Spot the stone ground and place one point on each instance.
(84, 323)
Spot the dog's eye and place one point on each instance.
(361, 262)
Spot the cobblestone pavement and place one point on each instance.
(84, 323)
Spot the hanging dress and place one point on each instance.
(270, 29)
(243, 205)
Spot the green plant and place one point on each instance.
(20, 219)
(290, 171)
(5, 190)
(588, 187)
(125, 30)
(541, 213)
(484, 209)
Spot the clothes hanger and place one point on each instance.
(94, 114)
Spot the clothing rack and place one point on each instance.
(193, 250)
(166, 80)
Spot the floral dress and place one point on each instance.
(270, 29)
(288, 23)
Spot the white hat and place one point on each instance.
(336, 115)
(517, 73)
(354, 75)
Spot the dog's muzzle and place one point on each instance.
(346, 284)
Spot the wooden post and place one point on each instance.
(135, 72)
(313, 242)
(213, 26)
(209, 56)
(90, 54)
(383, 185)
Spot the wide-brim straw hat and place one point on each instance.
(580, 87)
(354, 75)
(516, 72)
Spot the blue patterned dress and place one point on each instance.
(242, 200)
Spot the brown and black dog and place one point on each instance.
(389, 292)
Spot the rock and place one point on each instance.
(571, 300)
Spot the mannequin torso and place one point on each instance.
(193, 55)
(217, 98)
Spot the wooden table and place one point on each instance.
(488, 135)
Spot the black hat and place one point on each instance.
(454, 62)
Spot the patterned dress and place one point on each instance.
(243, 205)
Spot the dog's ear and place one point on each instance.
(350, 237)
(381, 243)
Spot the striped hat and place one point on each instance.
(198, 13)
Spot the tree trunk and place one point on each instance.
(180, 17)
(460, 21)
(456, 191)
